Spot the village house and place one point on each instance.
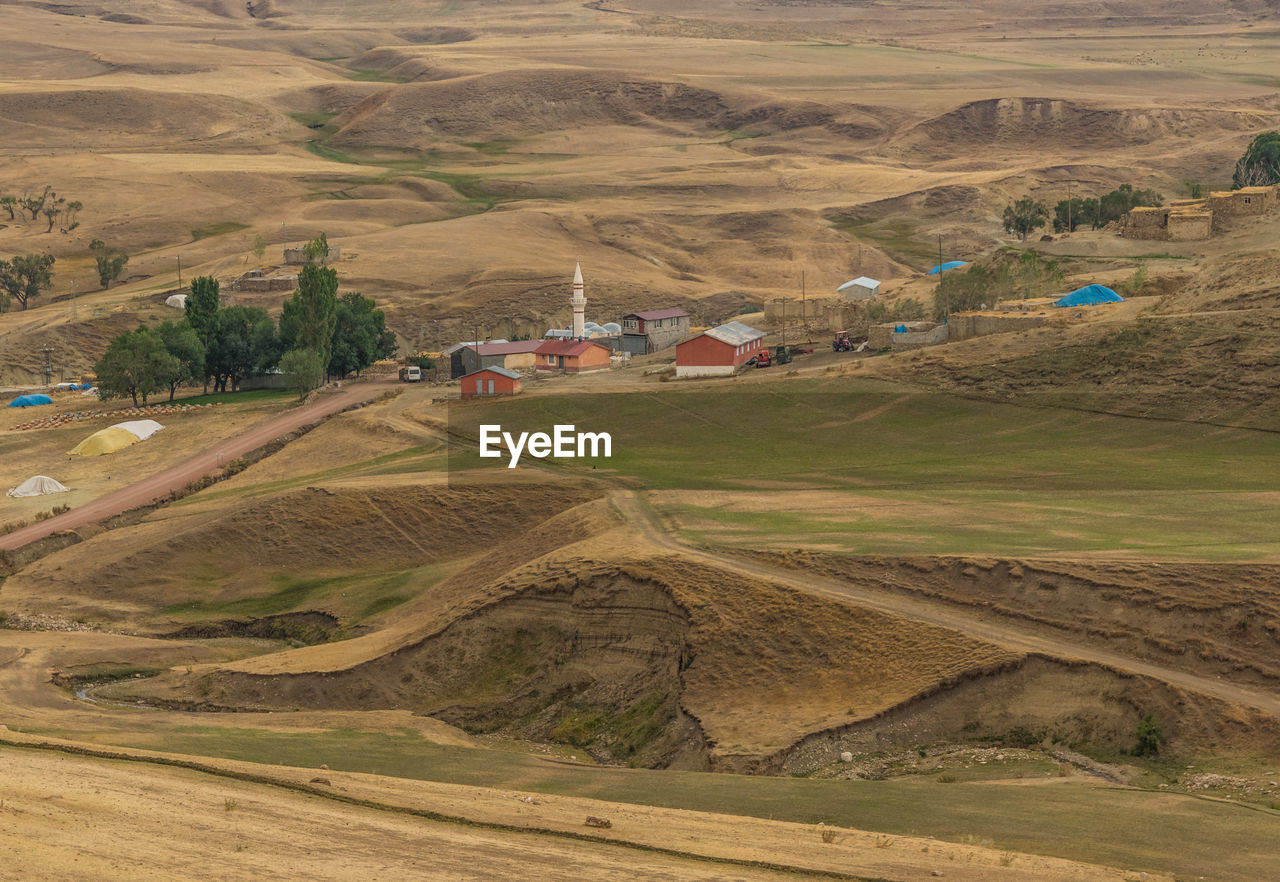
(454, 354)
(718, 351)
(861, 288)
(490, 381)
(571, 356)
(514, 355)
(653, 330)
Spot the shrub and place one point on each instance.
(1148, 735)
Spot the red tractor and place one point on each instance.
(763, 360)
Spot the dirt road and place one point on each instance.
(637, 513)
(179, 476)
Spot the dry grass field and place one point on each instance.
(976, 567)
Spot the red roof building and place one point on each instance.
(719, 351)
(571, 356)
(490, 381)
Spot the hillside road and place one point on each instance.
(208, 461)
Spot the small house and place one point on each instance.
(653, 330)
(718, 351)
(513, 356)
(571, 356)
(490, 381)
(861, 288)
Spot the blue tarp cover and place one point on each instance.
(30, 400)
(1089, 295)
(950, 264)
(900, 329)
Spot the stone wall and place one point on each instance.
(965, 325)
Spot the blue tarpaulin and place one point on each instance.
(900, 329)
(30, 401)
(1089, 295)
(950, 264)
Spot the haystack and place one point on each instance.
(40, 485)
(105, 441)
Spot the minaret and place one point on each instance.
(579, 304)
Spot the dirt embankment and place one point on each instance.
(132, 573)
(1208, 619)
(669, 663)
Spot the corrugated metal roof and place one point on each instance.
(650, 315)
(860, 281)
(510, 375)
(515, 347)
(456, 346)
(566, 347)
(558, 333)
(734, 333)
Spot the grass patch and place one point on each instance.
(921, 472)
(898, 237)
(243, 397)
(221, 228)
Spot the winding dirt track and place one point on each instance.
(637, 513)
(204, 463)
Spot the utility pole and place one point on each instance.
(804, 312)
(783, 301)
(179, 270)
(47, 367)
(1068, 206)
(939, 252)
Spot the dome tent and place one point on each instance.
(30, 401)
(40, 485)
(1090, 295)
(105, 441)
(177, 301)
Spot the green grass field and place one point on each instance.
(1077, 818)
(918, 472)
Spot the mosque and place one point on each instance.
(582, 329)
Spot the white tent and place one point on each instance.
(177, 301)
(144, 429)
(40, 485)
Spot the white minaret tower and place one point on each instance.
(579, 303)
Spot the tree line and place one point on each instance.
(47, 203)
(320, 335)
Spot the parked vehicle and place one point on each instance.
(411, 374)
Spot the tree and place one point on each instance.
(1025, 217)
(33, 204)
(1260, 165)
(202, 313)
(1122, 200)
(135, 364)
(360, 335)
(1148, 735)
(51, 210)
(259, 246)
(183, 343)
(72, 211)
(303, 370)
(308, 318)
(317, 249)
(25, 276)
(9, 203)
(244, 344)
(960, 291)
(111, 262)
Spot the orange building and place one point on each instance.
(490, 381)
(571, 356)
